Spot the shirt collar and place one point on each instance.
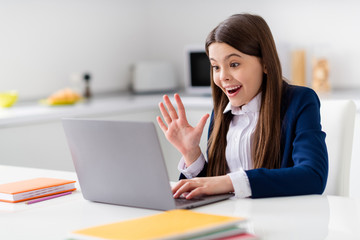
(252, 106)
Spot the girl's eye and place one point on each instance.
(215, 68)
(234, 64)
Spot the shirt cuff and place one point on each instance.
(240, 183)
(194, 169)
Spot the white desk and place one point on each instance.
(302, 217)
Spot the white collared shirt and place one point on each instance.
(238, 149)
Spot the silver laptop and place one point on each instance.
(122, 163)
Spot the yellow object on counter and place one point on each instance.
(62, 97)
(7, 99)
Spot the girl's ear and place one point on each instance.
(265, 69)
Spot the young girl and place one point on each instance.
(265, 137)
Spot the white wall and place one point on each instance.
(43, 42)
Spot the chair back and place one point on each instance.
(337, 120)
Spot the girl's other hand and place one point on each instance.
(178, 131)
(203, 186)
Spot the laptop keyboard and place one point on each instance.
(184, 201)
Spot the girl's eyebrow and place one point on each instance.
(233, 55)
(228, 56)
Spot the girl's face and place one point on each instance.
(238, 75)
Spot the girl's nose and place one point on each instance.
(224, 75)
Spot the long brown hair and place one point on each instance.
(251, 35)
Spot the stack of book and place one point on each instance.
(173, 224)
(34, 188)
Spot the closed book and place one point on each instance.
(240, 236)
(34, 188)
(173, 224)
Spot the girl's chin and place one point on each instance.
(235, 103)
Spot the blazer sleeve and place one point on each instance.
(201, 174)
(304, 166)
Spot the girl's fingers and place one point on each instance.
(195, 193)
(170, 107)
(161, 124)
(200, 126)
(188, 186)
(180, 106)
(179, 185)
(164, 113)
(182, 190)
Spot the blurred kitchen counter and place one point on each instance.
(30, 112)
(24, 113)
(31, 134)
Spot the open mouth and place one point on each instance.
(233, 90)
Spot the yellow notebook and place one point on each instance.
(172, 224)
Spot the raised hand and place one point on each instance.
(179, 132)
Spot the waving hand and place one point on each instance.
(178, 131)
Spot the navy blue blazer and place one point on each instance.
(304, 164)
